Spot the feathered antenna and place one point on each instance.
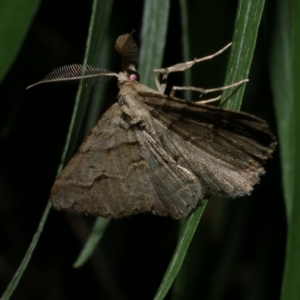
(127, 48)
(75, 72)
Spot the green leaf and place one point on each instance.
(245, 34)
(244, 40)
(282, 87)
(183, 243)
(156, 13)
(98, 25)
(285, 72)
(99, 91)
(186, 46)
(246, 27)
(15, 19)
(93, 240)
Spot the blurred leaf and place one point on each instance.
(285, 59)
(93, 240)
(186, 46)
(154, 30)
(227, 256)
(183, 243)
(97, 101)
(282, 87)
(15, 19)
(246, 27)
(99, 21)
(98, 24)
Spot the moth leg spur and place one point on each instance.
(180, 68)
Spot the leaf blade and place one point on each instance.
(15, 19)
(288, 114)
(156, 15)
(93, 240)
(184, 241)
(71, 139)
(246, 27)
(236, 69)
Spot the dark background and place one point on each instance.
(134, 253)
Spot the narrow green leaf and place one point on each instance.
(186, 46)
(93, 240)
(98, 26)
(244, 39)
(226, 260)
(245, 34)
(246, 27)
(184, 241)
(282, 87)
(97, 101)
(286, 58)
(156, 13)
(15, 19)
(99, 22)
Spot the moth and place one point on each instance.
(158, 154)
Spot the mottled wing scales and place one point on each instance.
(119, 172)
(108, 176)
(185, 152)
(223, 148)
(177, 187)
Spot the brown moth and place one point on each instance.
(152, 153)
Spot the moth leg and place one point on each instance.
(180, 68)
(205, 91)
(207, 100)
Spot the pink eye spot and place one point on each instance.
(133, 77)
